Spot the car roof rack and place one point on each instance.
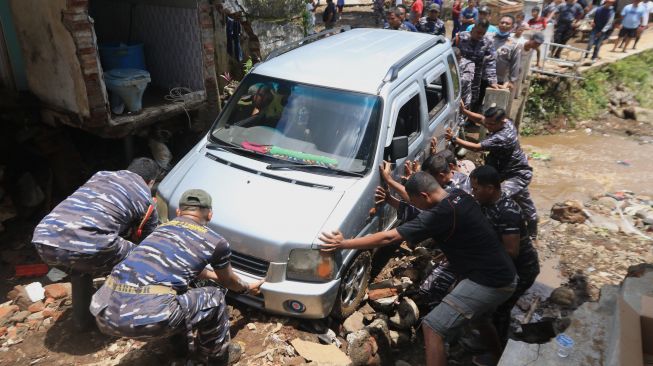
(393, 72)
(306, 40)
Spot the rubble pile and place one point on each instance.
(601, 238)
(31, 307)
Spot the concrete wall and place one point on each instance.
(52, 67)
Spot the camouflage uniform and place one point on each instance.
(508, 59)
(466, 68)
(506, 218)
(434, 27)
(172, 256)
(459, 181)
(83, 233)
(507, 157)
(483, 55)
(402, 27)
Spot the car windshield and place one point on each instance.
(302, 124)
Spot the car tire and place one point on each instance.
(353, 286)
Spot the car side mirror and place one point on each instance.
(399, 148)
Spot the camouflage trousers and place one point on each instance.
(436, 285)
(528, 267)
(516, 187)
(98, 263)
(201, 314)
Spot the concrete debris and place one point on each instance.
(569, 211)
(353, 323)
(35, 291)
(384, 305)
(363, 349)
(251, 326)
(321, 354)
(398, 339)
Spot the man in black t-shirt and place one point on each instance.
(506, 217)
(455, 222)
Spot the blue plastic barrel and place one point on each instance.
(118, 55)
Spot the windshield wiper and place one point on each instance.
(231, 147)
(280, 166)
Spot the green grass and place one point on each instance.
(587, 98)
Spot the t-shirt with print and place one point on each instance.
(632, 15)
(465, 236)
(538, 24)
(506, 155)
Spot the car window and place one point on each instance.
(453, 69)
(408, 123)
(302, 123)
(436, 95)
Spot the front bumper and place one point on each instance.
(318, 298)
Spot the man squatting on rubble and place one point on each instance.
(455, 222)
(506, 156)
(148, 296)
(85, 234)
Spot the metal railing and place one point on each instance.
(572, 63)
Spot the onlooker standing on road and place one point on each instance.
(416, 10)
(329, 15)
(431, 23)
(469, 15)
(340, 5)
(632, 17)
(404, 11)
(520, 22)
(455, 14)
(568, 16)
(537, 23)
(529, 47)
(602, 19)
(310, 13)
(483, 14)
(393, 15)
(648, 6)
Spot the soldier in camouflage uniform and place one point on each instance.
(432, 24)
(507, 157)
(148, 295)
(479, 49)
(506, 217)
(83, 235)
(508, 54)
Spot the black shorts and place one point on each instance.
(628, 32)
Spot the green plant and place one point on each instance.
(248, 65)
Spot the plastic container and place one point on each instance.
(120, 55)
(565, 345)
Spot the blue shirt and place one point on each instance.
(632, 16)
(468, 13)
(490, 29)
(410, 26)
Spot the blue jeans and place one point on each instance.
(596, 38)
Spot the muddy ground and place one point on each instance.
(579, 256)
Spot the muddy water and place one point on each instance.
(583, 165)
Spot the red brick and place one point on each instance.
(3, 331)
(8, 311)
(57, 290)
(36, 307)
(381, 293)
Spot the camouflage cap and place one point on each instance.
(195, 197)
(434, 7)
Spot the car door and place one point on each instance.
(437, 89)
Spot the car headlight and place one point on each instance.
(162, 208)
(311, 265)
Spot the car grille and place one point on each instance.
(249, 264)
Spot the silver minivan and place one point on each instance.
(296, 152)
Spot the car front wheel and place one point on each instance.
(353, 286)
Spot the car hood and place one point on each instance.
(262, 215)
